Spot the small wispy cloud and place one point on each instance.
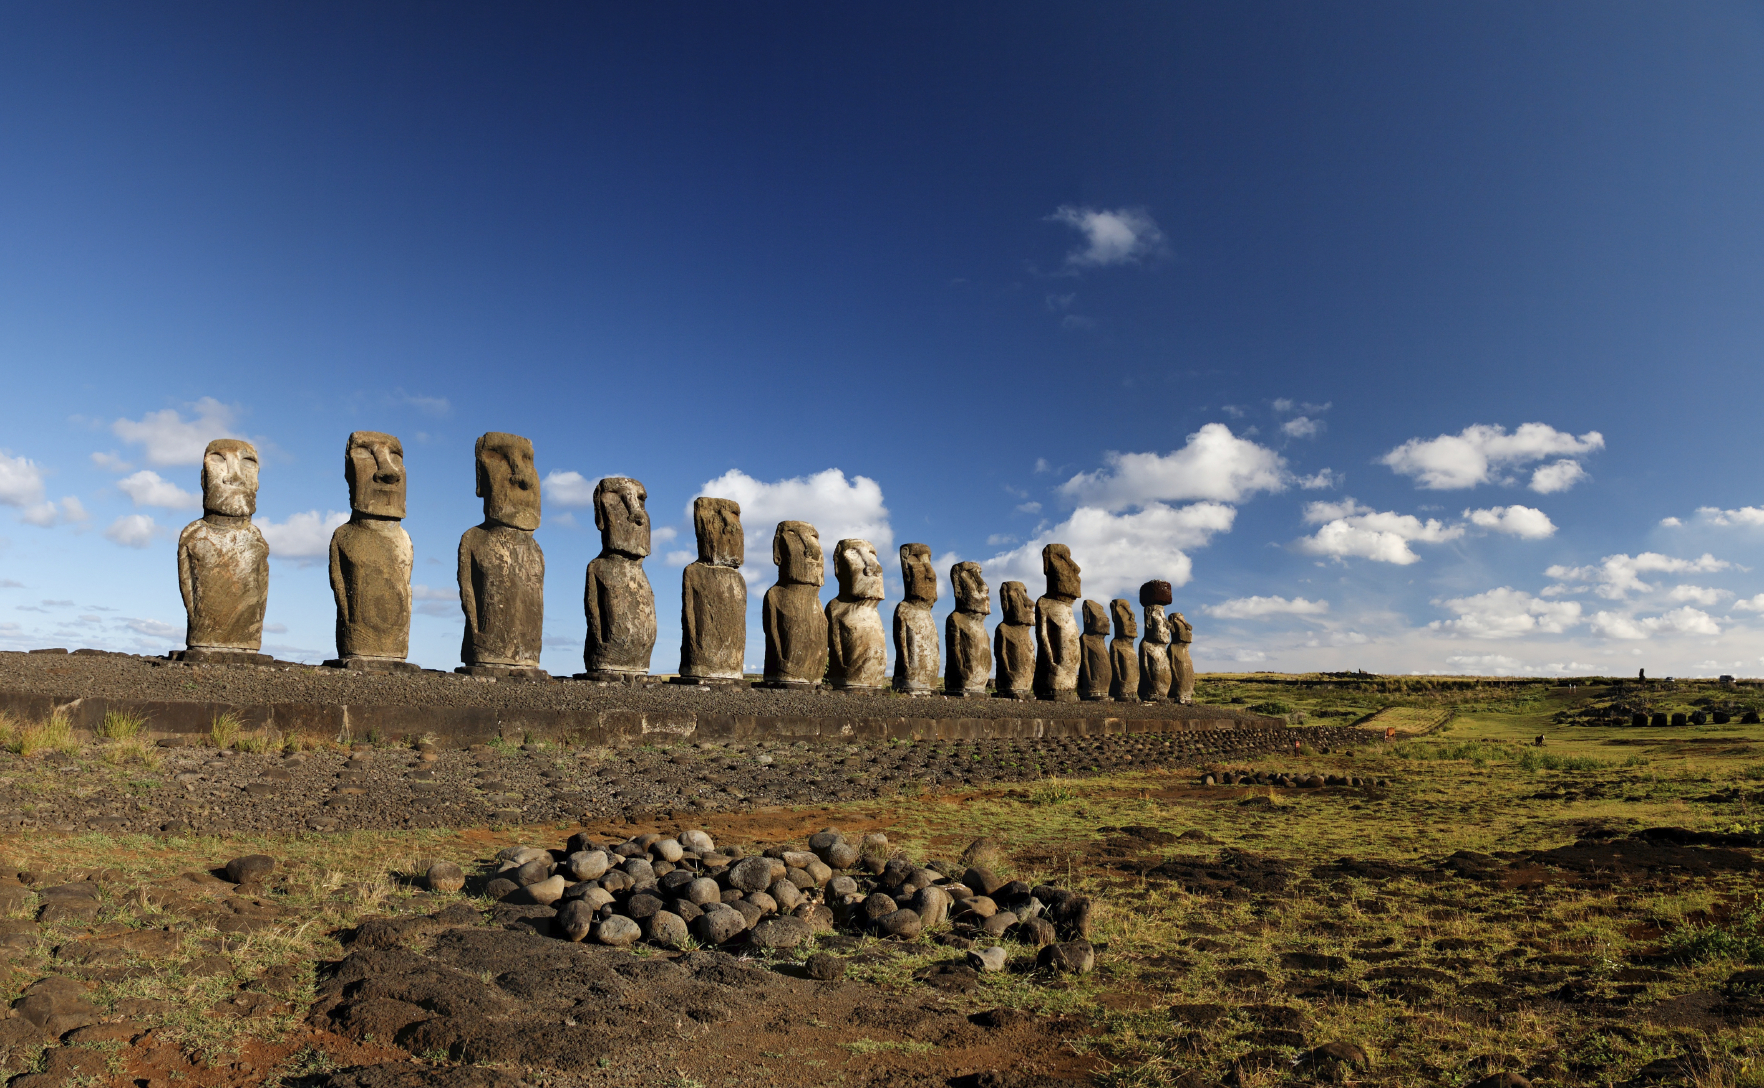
(1120, 236)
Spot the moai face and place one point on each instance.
(1096, 618)
(1126, 624)
(1018, 608)
(796, 549)
(507, 480)
(229, 478)
(858, 570)
(1062, 573)
(620, 516)
(1180, 629)
(917, 573)
(1157, 624)
(373, 465)
(1155, 593)
(718, 525)
(969, 586)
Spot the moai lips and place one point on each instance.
(915, 629)
(223, 560)
(371, 558)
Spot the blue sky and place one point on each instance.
(1400, 337)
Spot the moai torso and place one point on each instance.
(501, 566)
(857, 650)
(1094, 670)
(1181, 665)
(795, 626)
(371, 554)
(915, 629)
(223, 560)
(617, 599)
(1057, 647)
(1123, 654)
(1013, 644)
(970, 659)
(713, 595)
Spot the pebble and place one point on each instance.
(617, 930)
(987, 960)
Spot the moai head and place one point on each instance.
(620, 516)
(373, 465)
(1062, 573)
(229, 478)
(917, 573)
(969, 587)
(858, 570)
(718, 525)
(507, 481)
(1096, 618)
(1126, 626)
(796, 549)
(1018, 608)
(1180, 629)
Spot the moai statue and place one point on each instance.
(970, 661)
(915, 629)
(501, 567)
(857, 651)
(796, 628)
(1013, 644)
(1123, 655)
(223, 561)
(713, 597)
(617, 599)
(371, 559)
(1154, 652)
(1181, 665)
(1056, 629)
(1095, 674)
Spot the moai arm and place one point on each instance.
(468, 597)
(591, 605)
(338, 590)
(184, 585)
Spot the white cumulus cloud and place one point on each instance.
(1302, 427)
(1121, 236)
(21, 481)
(1678, 621)
(1214, 464)
(1556, 476)
(1118, 552)
(1248, 608)
(1321, 480)
(1702, 595)
(568, 488)
(1746, 515)
(1524, 522)
(51, 513)
(132, 531)
(167, 438)
(1479, 453)
(838, 508)
(1349, 529)
(304, 537)
(1616, 576)
(1750, 604)
(147, 488)
(1507, 613)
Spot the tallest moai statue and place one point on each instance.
(223, 561)
(501, 567)
(371, 559)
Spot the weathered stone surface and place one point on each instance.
(916, 656)
(1095, 672)
(1123, 655)
(1013, 644)
(618, 601)
(445, 876)
(969, 664)
(1181, 665)
(501, 566)
(1154, 650)
(857, 650)
(795, 625)
(1057, 648)
(223, 561)
(371, 554)
(713, 595)
(250, 868)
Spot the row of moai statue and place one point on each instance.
(1037, 651)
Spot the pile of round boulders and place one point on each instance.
(1305, 780)
(665, 890)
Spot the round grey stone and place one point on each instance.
(879, 904)
(780, 933)
(250, 868)
(824, 967)
(668, 850)
(575, 919)
(588, 864)
(444, 876)
(718, 926)
(697, 841)
(617, 930)
(751, 874)
(903, 923)
(531, 872)
(785, 894)
(643, 906)
(703, 890)
(667, 929)
(987, 960)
